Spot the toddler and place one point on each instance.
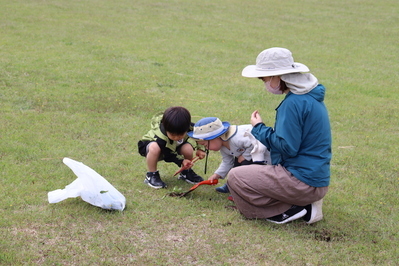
(235, 143)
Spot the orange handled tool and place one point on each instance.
(205, 182)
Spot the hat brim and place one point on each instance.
(229, 133)
(252, 71)
(226, 126)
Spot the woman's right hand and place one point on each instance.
(255, 118)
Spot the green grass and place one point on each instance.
(82, 79)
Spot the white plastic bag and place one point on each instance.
(91, 187)
(259, 153)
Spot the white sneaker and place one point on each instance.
(295, 212)
(314, 212)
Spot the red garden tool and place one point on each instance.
(185, 167)
(205, 182)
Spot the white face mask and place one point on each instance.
(269, 87)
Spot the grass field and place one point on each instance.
(82, 79)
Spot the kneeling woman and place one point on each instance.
(300, 145)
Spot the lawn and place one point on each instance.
(82, 79)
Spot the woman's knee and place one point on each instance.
(236, 172)
(232, 177)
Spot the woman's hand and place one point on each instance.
(256, 118)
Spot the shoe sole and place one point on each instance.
(316, 212)
(188, 181)
(292, 218)
(156, 187)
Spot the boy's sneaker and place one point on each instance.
(190, 176)
(154, 180)
(295, 212)
(314, 212)
(223, 189)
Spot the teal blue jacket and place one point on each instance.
(301, 138)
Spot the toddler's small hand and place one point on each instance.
(201, 154)
(214, 177)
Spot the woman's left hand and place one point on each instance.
(256, 118)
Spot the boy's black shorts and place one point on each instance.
(142, 147)
(166, 154)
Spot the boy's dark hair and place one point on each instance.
(176, 120)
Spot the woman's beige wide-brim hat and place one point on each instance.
(274, 61)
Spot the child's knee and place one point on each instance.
(153, 149)
(186, 149)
